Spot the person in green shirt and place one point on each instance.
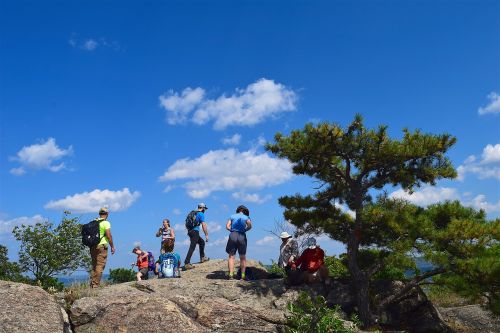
(99, 253)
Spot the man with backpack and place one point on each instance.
(99, 245)
(193, 221)
(238, 224)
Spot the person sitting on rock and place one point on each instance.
(142, 263)
(238, 224)
(169, 263)
(310, 266)
(289, 250)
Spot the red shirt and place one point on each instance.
(311, 260)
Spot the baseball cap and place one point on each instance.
(202, 205)
(104, 210)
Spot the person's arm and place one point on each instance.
(172, 233)
(110, 240)
(248, 225)
(228, 225)
(205, 230)
(158, 233)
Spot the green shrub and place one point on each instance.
(120, 275)
(312, 315)
(50, 284)
(336, 267)
(276, 269)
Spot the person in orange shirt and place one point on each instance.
(142, 263)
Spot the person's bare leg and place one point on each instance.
(243, 265)
(230, 264)
(138, 276)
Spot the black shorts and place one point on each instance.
(237, 242)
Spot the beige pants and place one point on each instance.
(99, 254)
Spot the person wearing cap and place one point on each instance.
(289, 250)
(194, 237)
(99, 253)
(310, 266)
(238, 224)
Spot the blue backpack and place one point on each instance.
(169, 266)
(151, 262)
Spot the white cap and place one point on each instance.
(202, 205)
(285, 234)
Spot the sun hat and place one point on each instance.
(202, 205)
(285, 234)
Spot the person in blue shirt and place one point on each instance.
(169, 262)
(238, 224)
(194, 236)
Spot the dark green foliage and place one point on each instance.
(312, 315)
(120, 275)
(49, 283)
(9, 271)
(47, 250)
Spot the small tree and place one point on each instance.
(9, 271)
(120, 275)
(350, 163)
(46, 251)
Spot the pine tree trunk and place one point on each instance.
(359, 279)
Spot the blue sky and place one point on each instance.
(151, 107)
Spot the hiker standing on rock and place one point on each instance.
(289, 250)
(238, 224)
(99, 252)
(166, 232)
(193, 221)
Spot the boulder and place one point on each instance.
(202, 300)
(27, 308)
(414, 313)
(471, 319)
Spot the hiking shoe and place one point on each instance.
(204, 259)
(188, 266)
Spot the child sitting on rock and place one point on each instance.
(169, 263)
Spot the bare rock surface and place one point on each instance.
(202, 300)
(471, 319)
(27, 308)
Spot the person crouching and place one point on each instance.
(142, 263)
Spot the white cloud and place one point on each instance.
(346, 210)
(40, 156)
(90, 44)
(218, 242)
(428, 195)
(487, 167)
(179, 227)
(226, 170)
(479, 202)
(493, 106)
(251, 197)
(90, 202)
(232, 140)
(180, 106)
(267, 240)
(6, 226)
(245, 107)
(213, 227)
(186, 242)
(168, 188)
(177, 211)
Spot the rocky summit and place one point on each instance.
(202, 300)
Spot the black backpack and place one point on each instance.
(90, 233)
(191, 221)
